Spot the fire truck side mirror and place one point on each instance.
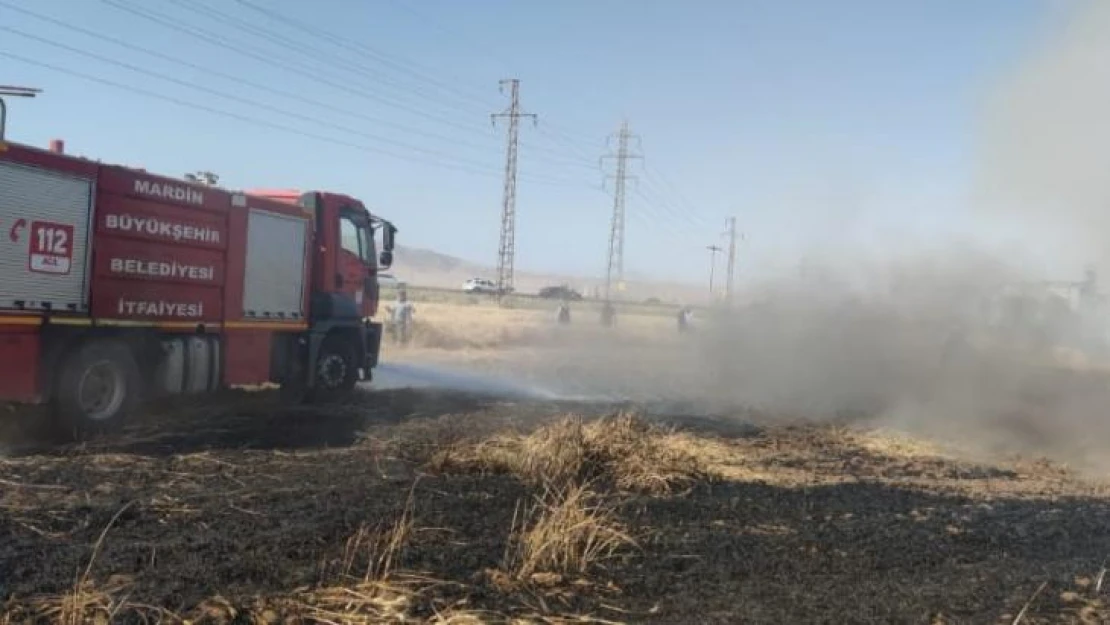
(388, 234)
(385, 259)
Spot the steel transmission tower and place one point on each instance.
(615, 267)
(713, 250)
(730, 232)
(506, 249)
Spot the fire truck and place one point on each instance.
(117, 286)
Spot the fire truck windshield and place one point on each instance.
(355, 235)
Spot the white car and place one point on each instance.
(479, 285)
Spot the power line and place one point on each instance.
(488, 52)
(556, 131)
(506, 248)
(676, 214)
(221, 94)
(570, 144)
(230, 114)
(315, 103)
(358, 47)
(323, 56)
(303, 70)
(304, 49)
(558, 159)
(686, 218)
(267, 124)
(485, 51)
(682, 199)
(239, 80)
(284, 65)
(561, 135)
(569, 136)
(692, 235)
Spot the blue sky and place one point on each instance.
(809, 120)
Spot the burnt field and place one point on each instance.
(405, 506)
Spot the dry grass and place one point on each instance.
(569, 529)
(454, 327)
(379, 548)
(85, 603)
(564, 531)
(628, 305)
(380, 593)
(368, 589)
(485, 326)
(840, 524)
(894, 444)
(623, 450)
(1053, 602)
(364, 602)
(368, 603)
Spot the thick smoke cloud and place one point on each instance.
(1044, 160)
(926, 337)
(922, 340)
(920, 343)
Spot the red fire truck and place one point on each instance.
(117, 285)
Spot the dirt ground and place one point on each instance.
(406, 506)
(652, 497)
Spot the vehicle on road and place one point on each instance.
(118, 285)
(479, 285)
(559, 292)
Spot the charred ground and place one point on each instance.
(425, 506)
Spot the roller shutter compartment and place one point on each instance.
(274, 280)
(44, 228)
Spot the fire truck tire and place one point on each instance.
(336, 366)
(98, 387)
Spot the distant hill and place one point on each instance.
(416, 261)
(423, 267)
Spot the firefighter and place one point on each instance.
(400, 318)
(684, 317)
(562, 314)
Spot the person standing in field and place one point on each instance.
(684, 318)
(563, 313)
(400, 318)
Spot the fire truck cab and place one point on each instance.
(117, 285)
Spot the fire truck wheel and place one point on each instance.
(98, 386)
(336, 369)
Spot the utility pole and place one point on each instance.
(713, 249)
(614, 268)
(506, 248)
(16, 92)
(730, 231)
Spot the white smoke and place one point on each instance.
(1044, 164)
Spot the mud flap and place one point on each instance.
(372, 344)
(315, 341)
